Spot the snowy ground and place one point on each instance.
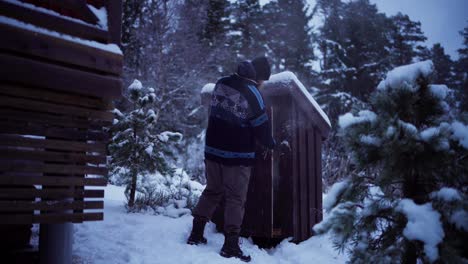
(145, 238)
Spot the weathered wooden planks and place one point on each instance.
(50, 218)
(38, 106)
(295, 175)
(23, 180)
(21, 166)
(50, 139)
(22, 206)
(55, 100)
(57, 77)
(51, 156)
(26, 127)
(49, 119)
(311, 181)
(54, 23)
(20, 141)
(49, 193)
(55, 97)
(56, 49)
(318, 176)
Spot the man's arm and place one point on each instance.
(260, 123)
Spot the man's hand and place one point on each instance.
(266, 151)
(281, 148)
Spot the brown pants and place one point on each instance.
(229, 182)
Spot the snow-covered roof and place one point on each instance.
(113, 48)
(288, 77)
(100, 13)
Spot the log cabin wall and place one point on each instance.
(58, 78)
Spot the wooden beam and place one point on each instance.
(49, 193)
(38, 106)
(51, 218)
(50, 156)
(13, 115)
(50, 144)
(114, 20)
(97, 3)
(24, 166)
(80, 8)
(311, 180)
(25, 206)
(303, 175)
(51, 48)
(25, 128)
(50, 180)
(46, 75)
(318, 174)
(295, 174)
(56, 97)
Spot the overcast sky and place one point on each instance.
(441, 20)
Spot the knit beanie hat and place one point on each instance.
(262, 68)
(246, 70)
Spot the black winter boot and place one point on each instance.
(231, 248)
(196, 236)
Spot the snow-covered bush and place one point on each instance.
(138, 146)
(407, 201)
(169, 194)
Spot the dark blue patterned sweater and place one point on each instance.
(237, 119)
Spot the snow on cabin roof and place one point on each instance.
(406, 74)
(101, 13)
(287, 77)
(208, 88)
(113, 48)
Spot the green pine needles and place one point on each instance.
(408, 201)
(138, 146)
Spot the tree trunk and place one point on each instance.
(411, 190)
(409, 256)
(131, 199)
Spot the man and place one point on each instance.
(237, 120)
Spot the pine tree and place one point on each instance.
(217, 57)
(408, 198)
(132, 21)
(365, 47)
(331, 34)
(246, 35)
(406, 38)
(443, 65)
(217, 23)
(289, 37)
(462, 72)
(136, 147)
(354, 45)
